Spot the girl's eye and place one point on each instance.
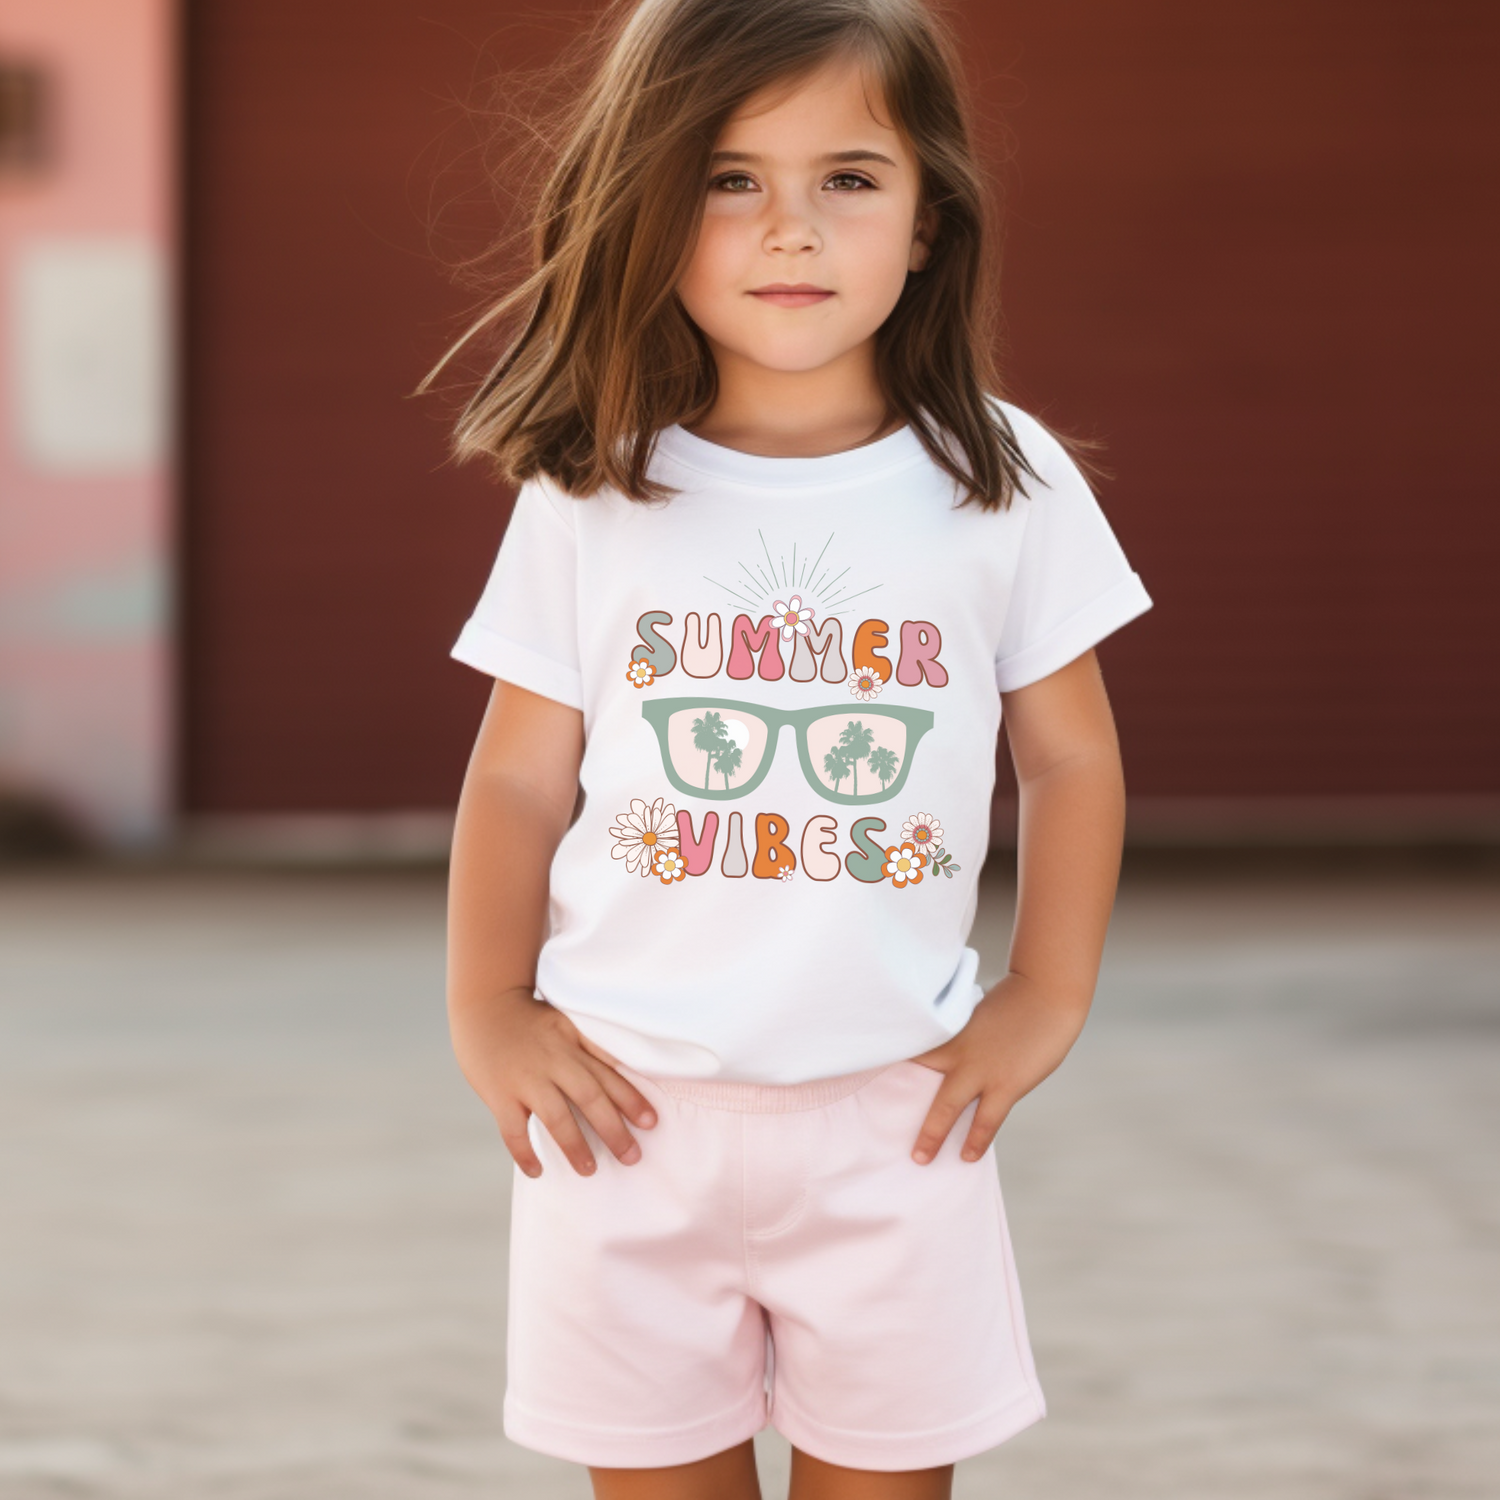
(742, 182)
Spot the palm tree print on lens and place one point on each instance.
(883, 763)
(835, 768)
(727, 761)
(698, 737)
(711, 736)
(855, 743)
(873, 748)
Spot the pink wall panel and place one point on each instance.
(86, 661)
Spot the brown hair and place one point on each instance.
(602, 354)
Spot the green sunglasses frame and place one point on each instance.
(657, 712)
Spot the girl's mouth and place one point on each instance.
(783, 295)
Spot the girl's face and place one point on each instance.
(809, 191)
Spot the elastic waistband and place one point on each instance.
(765, 1098)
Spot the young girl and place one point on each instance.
(780, 556)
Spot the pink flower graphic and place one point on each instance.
(923, 830)
(792, 617)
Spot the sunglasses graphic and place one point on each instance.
(720, 748)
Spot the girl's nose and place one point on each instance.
(792, 230)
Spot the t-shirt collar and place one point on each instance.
(894, 451)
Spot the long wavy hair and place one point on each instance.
(596, 352)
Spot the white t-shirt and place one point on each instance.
(790, 678)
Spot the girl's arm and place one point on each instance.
(522, 1055)
(1072, 827)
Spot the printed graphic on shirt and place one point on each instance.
(852, 751)
(795, 592)
(644, 841)
(643, 833)
(799, 615)
(720, 749)
(817, 652)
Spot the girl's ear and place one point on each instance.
(922, 238)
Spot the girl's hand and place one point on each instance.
(1015, 1037)
(1072, 805)
(525, 1057)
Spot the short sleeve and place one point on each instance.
(524, 628)
(1073, 585)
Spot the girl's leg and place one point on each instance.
(729, 1475)
(812, 1479)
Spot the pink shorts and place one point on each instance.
(775, 1255)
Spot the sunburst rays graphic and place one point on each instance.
(764, 583)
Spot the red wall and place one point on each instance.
(1250, 247)
(1255, 251)
(330, 556)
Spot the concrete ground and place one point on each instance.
(252, 1224)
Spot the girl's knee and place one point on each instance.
(813, 1479)
(730, 1475)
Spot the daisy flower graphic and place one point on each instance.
(641, 673)
(792, 618)
(865, 683)
(669, 866)
(903, 865)
(642, 833)
(786, 874)
(924, 831)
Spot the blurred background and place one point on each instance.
(1252, 249)
(253, 1232)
